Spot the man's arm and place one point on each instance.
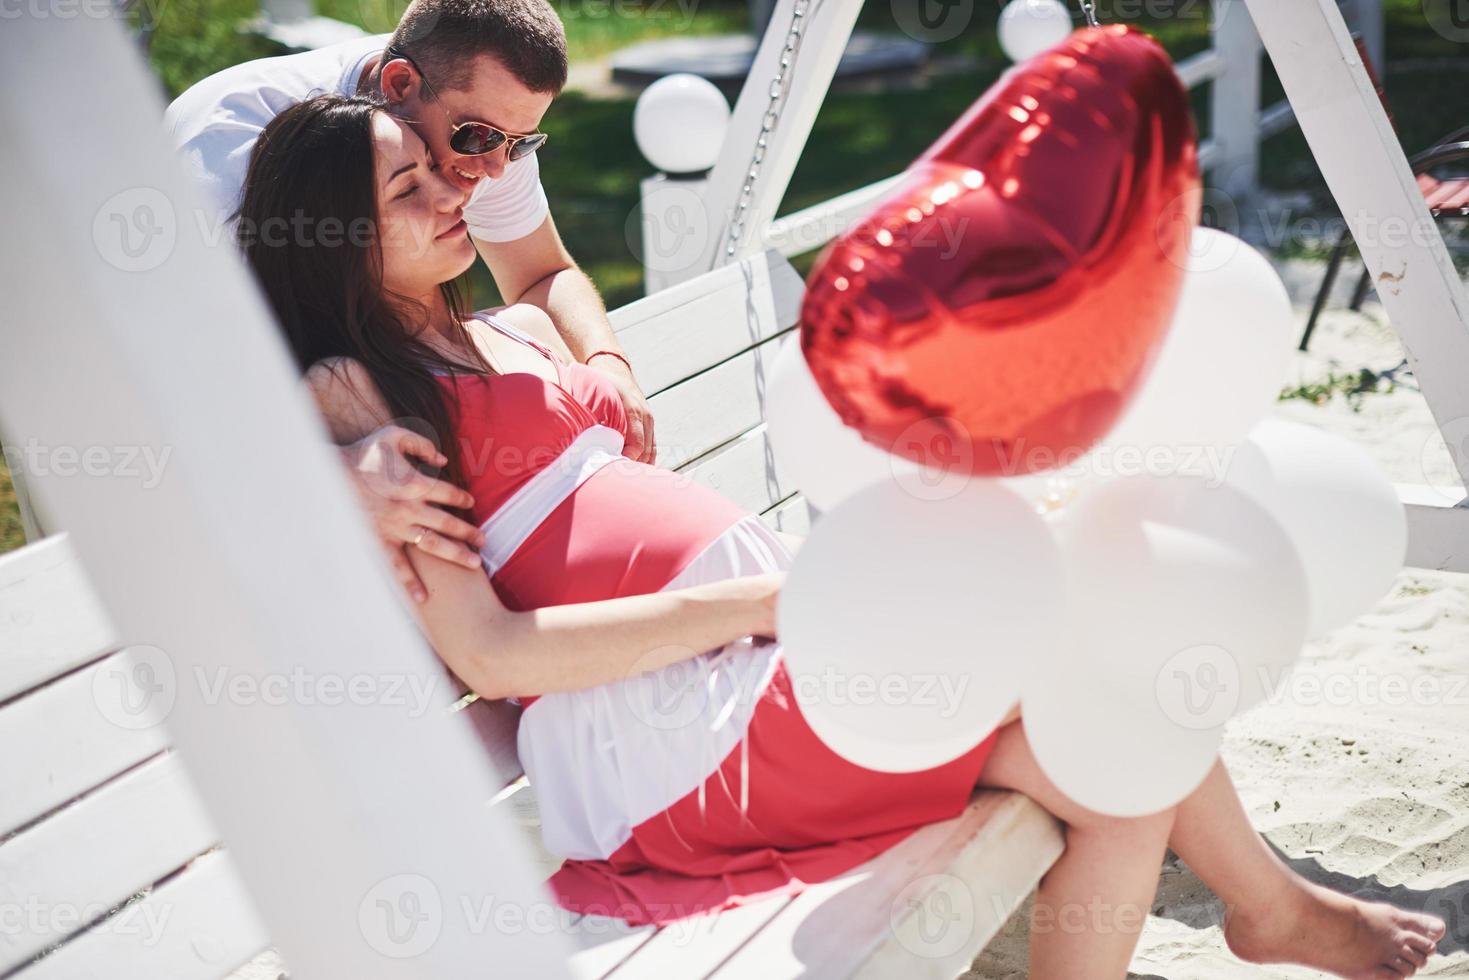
(537, 269)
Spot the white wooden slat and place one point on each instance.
(519, 802)
(1362, 161)
(494, 724)
(713, 408)
(984, 862)
(1438, 527)
(994, 871)
(792, 516)
(196, 926)
(72, 735)
(1276, 118)
(1200, 68)
(1210, 153)
(696, 947)
(603, 944)
(84, 860)
(809, 228)
(599, 943)
(50, 618)
(676, 333)
(746, 471)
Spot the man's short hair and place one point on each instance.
(445, 37)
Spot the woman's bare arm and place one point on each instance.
(500, 652)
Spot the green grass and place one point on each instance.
(10, 532)
(591, 169)
(1352, 387)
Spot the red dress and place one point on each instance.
(691, 788)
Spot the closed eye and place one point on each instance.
(406, 193)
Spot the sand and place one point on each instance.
(1357, 770)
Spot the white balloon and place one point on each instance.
(827, 459)
(909, 624)
(1104, 746)
(1186, 604)
(1220, 367)
(1342, 513)
(1028, 27)
(679, 123)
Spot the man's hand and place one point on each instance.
(404, 503)
(639, 445)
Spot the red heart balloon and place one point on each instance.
(997, 310)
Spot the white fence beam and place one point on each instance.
(1359, 155)
(359, 822)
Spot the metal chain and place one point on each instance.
(768, 123)
(1089, 7)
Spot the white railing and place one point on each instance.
(1230, 152)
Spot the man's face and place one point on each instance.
(494, 96)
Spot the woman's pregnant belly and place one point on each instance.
(607, 758)
(628, 530)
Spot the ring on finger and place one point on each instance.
(418, 539)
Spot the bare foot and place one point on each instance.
(1329, 931)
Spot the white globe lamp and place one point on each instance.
(1028, 27)
(679, 123)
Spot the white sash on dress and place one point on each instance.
(517, 518)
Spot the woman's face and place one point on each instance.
(422, 235)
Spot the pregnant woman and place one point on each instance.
(631, 610)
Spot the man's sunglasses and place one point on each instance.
(476, 138)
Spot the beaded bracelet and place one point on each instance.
(612, 353)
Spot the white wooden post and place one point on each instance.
(674, 227)
(1235, 100)
(824, 30)
(355, 810)
(1359, 155)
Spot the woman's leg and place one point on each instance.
(1273, 914)
(1091, 906)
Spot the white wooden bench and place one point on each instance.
(94, 812)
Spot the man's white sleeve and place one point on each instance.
(510, 207)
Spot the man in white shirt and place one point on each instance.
(473, 78)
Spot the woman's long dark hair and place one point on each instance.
(308, 225)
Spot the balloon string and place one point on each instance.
(1089, 7)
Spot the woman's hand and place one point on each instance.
(639, 445)
(761, 593)
(405, 504)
